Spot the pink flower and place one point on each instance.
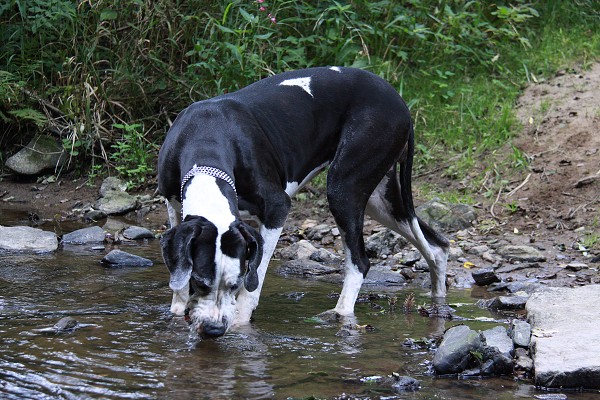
(260, 1)
(273, 20)
(262, 8)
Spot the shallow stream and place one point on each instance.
(127, 346)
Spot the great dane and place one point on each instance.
(252, 150)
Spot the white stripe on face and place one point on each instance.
(302, 83)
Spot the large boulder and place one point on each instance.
(92, 234)
(25, 238)
(41, 153)
(565, 337)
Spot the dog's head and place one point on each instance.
(208, 269)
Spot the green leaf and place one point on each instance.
(108, 15)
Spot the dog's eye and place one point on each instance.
(234, 287)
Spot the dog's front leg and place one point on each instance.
(248, 301)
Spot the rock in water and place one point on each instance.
(65, 324)
(93, 234)
(137, 233)
(41, 153)
(565, 337)
(25, 238)
(119, 258)
(456, 350)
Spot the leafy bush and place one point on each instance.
(81, 68)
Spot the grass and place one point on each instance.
(81, 71)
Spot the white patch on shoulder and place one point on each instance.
(336, 69)
(302, 83)
(204, 198)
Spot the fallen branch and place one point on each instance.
(519, 187)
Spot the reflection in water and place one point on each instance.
(127, 345)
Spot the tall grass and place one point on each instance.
(79, 69)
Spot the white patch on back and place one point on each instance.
(302, 83)
(204, 198)
(336, 69)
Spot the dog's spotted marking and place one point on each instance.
(302, 83)
(336, 69)
(202, 197)
(292, 188)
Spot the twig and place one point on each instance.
(492, 207)
(519, 187)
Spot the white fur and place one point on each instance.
(174, 212)
(204, 198)
(353, 280)
(336, 69)
(293, 187)
(302, 83)
(180, 300)
(248, 301)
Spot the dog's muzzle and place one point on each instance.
(206, 329)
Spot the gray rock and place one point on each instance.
(498, 338)
(94, 215)
(478, 250)
(565, 337)
(116, 203)
(521, 253)
(92, 234)
(446, 217)
(27, 239)
(497, 353)
(384, 243)
(522, 360)
(520, 332)
(305, 267)
(65, 324)
(298, 250)
(41, 153)
(318, 232)
(325, 256)
(509, 303)
(383, 275)
(119, 258)
(484, 276)
(411, 258)
(456, 350)
(112, 184)
(137, 233)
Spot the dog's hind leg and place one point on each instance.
(390, 206)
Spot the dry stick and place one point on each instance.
(492, 207)
(519, 187)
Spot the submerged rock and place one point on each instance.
(65, 324)
(92, 234)
(119, 258)
(27, 239)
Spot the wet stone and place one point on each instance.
(384, 243)
(456, 350)
(92, 234)
(27, 239)
(509, 303)
(137, 233)
(65, 324)
(484, 276)
(520, 332)
(304, 267)
(119, 258)
(298, 250)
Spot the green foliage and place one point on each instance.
(132, 155)
(83, 69)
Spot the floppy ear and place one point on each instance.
(254, 252)
(176, 245)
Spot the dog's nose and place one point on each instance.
(212, 330)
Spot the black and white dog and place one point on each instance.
(252, 150)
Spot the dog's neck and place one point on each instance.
(203, 197)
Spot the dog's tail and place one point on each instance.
(419, 228)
